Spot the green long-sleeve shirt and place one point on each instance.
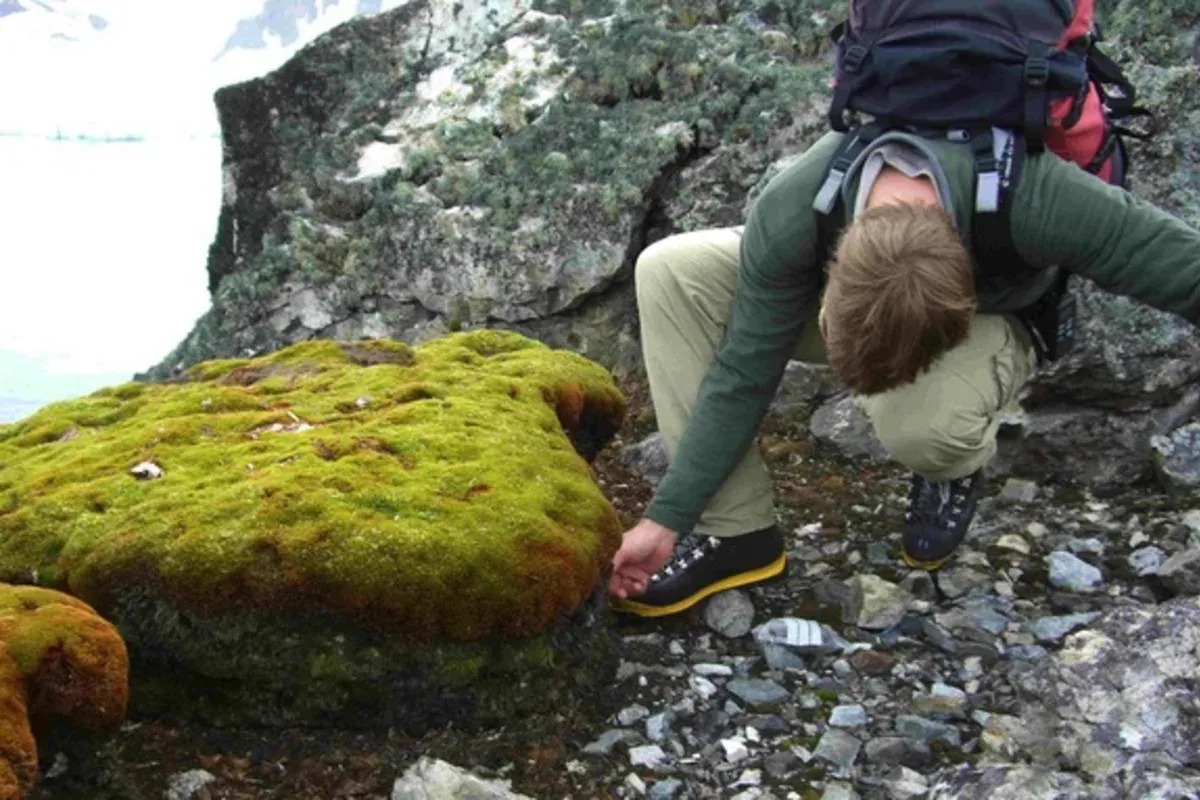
(1061, 217)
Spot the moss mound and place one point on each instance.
(430, 493)
(60, 663)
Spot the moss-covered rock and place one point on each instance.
(60, 664)
(339, 512)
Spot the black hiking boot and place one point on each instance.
(704, 565)
(938, 516)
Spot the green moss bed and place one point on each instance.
(385, 534)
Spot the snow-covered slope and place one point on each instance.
(292, 21)
(51, 20)
(116, 67)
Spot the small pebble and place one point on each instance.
(848, 717)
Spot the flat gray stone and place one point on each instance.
(839, 749)
(757, 692)
(840, 424)
(647, 755)
(1147, 560)
(434, 778)
(1181, 572)
(1054, 629)
(927, 730)
(730, 613)
(1073, 574)
(186, 785)
(605, 742)
(1176, 458)
(874, 603)
(942, 702)
(848, 717)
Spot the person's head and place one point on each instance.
(900, 293)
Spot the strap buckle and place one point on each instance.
(855, 55)
(1037, 71)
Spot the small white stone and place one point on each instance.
(648, 755)
(185, 785)
(702, 686)
(751, 777)
(147, 471)
(633, 714)
(713, 670)
(735, 750)
(1014, 543)
(635, 783)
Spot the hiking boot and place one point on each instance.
(704, 565)
(939, 513)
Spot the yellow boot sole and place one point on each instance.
(930, 566)
(776, 567)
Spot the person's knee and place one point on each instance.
(940, 444)
(686, 262)
(654, 269)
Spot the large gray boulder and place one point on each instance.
(457, 164)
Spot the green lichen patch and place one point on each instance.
(429, 493)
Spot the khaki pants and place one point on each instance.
(943, 426)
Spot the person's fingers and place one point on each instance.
(635, 572)
(619, 558)
(631, 580)
(621, 584)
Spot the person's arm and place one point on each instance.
(777, 293)
(1128, 246)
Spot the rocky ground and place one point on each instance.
(1055, 657)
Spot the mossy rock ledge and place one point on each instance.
(350, 533)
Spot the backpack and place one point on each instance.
(1008, 78)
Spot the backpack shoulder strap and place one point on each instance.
(992, 242)
(999, 160)
(1107, 73)
(828, 207)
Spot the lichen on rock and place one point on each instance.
(365, 491)
(60, 663)
(462, 164)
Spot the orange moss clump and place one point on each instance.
(59, 662)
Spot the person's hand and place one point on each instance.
(645, 549)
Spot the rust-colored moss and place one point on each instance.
(18, 751)
(59, 662)
(378, 351)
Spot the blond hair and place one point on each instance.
(900, 293)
